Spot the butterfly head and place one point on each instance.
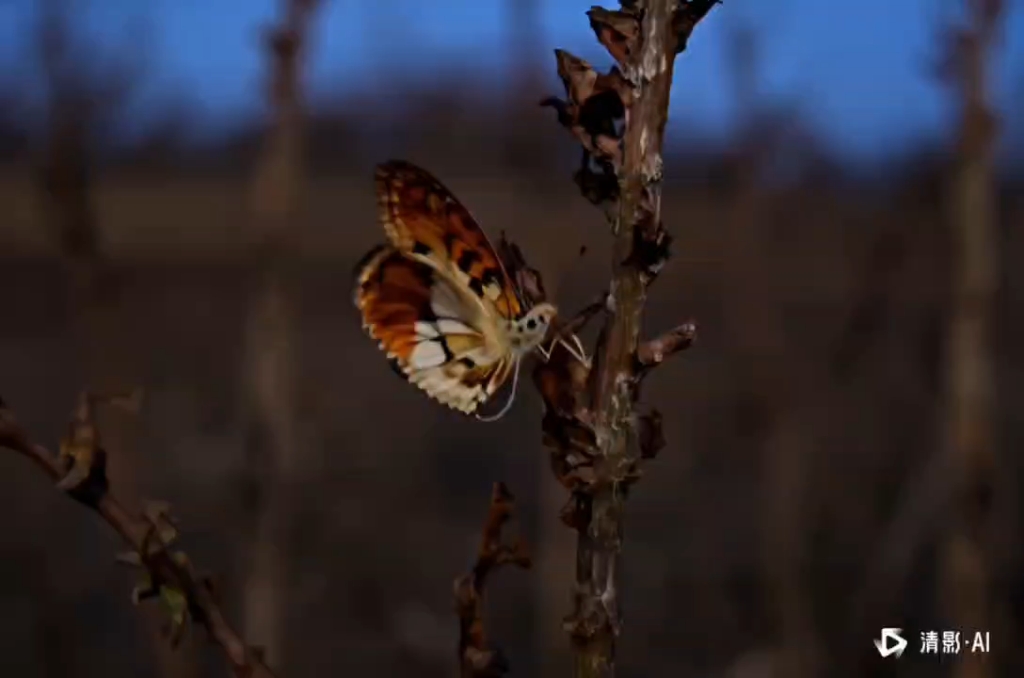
(528, 332)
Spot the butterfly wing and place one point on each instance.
(434, 332)
(422, 218)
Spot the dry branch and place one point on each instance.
(477, 657)
(168, 575)
(591, 425)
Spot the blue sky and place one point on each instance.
(858, 71)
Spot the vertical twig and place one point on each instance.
(592, 425)
(522, 149)
(970, 372)
(276, 188)
(478, 656)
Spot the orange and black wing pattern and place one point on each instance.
(431, 332)
(421, 217)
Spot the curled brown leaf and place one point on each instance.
(595, 106)
(528, 279)
(651, 434)
(616, 30)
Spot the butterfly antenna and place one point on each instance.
(508, 403)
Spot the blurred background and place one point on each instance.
(186, 185)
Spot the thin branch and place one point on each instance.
(170, 575)
(477, 657)
(653, 352)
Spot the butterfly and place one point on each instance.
(438, 299)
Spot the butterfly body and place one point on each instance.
(437, 298)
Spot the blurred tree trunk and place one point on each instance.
(271, 435)
(768, 416)
(79, 103)
(968, 421)
(524, 32)
(524, 150)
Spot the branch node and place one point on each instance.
(81, 453)
(164, 528)
(589, 621)
(154, 584)
(82, 456)
(653, 352)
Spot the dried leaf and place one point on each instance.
(597, 181)
(651, 434)
(617, 31)
(651, 249)
(688, 14)
(596, 106)
(527, 278)
(561, 381)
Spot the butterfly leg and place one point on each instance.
(575, 349)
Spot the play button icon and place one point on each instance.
(891, 643)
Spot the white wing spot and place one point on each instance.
(443, 301)
(448, 390)
(452, 326)
(426, 330)
(493, 292)
(427, 354)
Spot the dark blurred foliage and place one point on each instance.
(820, 290)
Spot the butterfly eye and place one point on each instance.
(531, 324)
